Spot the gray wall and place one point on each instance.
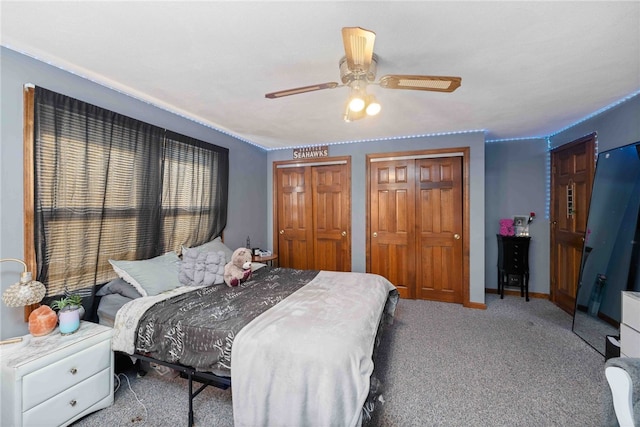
(516, 176)
(358, 152)
(248, 164)
(615, 127)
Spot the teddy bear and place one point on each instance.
(238, 269)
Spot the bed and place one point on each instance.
(297, 346)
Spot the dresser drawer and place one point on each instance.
(53, 379)
(629, 341)
(71, 402)
(631, 309)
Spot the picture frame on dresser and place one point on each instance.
(521, 225)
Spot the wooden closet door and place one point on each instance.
(295, 228)
(392, 221)
(331, 217)
(439, 261)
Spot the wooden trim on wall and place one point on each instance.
(28, 189)
(516, 293)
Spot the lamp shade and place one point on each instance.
(24, 292)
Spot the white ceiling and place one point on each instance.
(528, 69)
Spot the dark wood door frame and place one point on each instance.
(443, 152)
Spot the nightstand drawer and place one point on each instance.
(53, 379)
(71, 402)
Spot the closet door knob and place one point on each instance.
(344, 234)
(281, 231)
(375, 234)
(456, 236)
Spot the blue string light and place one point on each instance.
(390, 138)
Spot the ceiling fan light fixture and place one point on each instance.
(357, 100)
(350, 116)
(356, 104)
(373, 106)
(348, 75)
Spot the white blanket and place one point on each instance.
(308, 360)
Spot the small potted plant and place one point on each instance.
(68, 313)
(75, 300)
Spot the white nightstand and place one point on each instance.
(55, 379)
(630, 325)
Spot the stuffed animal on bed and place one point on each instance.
(238, 269)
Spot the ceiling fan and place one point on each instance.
(358, 69)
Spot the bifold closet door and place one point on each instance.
(295, 230)
(314, 216)
(331, 218)
(416, 226)
(392, 219)
(439, 229)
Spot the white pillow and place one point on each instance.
(214, 246)
(150, 276)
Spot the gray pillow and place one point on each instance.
(201, 268)
(119, 286)
(150, 276)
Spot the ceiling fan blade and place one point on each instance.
(432, 83)
(304, 89)
(358, 47)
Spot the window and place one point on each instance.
(106, 186)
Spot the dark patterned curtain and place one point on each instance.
(194, 198)
(111, 187)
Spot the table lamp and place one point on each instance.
(25, 292)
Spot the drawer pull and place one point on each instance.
(73, 371)
(73, 402)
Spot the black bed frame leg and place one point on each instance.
(207, 379)
(190, 400)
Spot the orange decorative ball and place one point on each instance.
(42, 321)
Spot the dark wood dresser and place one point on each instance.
(513, 263)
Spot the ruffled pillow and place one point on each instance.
(213, 246)
(201, 268)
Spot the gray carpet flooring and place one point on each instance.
(513, 364)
